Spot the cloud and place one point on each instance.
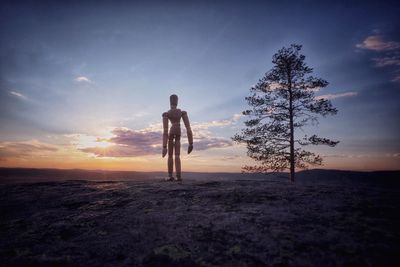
(211, 142)
(19, 95)
(387, 155)
(389, 52)
(83, 79)
(275, 86)
(25, 149)
(126, 142)
(125, 136)
(135, 150)
(121, 151)
(210, 124)
(233, 157)
(396, 79)
(376, 43)
(202, 126)
(236, 117)
(387, 61)
(334, 96)
(217, 123)
(123, 142)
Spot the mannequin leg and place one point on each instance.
(177, 156)
(170, 153)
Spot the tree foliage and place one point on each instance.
(281, 102)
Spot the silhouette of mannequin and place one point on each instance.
(174, 136)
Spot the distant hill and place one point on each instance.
(10, 175)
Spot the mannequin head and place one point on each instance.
(173, 100)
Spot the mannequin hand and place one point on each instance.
(164, 152)
(190, 148)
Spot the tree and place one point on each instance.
(282, 101)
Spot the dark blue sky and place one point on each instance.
(72, 69)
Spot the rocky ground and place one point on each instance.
(248, 222)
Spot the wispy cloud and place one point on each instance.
(120, 151)
(387, 61)
(275, 86)
(217, 123)
(334, 96)
(25, 149)
(206, 142)
(387, 155)
(19, 95)
(377, 43)
(83, 79)
(388, 52)
(202, 126)
(396, 78)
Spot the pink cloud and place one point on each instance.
(131, 143)
(334, 96)
(376, 43)
(387, 61)
(24, 149)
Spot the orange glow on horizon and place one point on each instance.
(231, 159)
(196, 164)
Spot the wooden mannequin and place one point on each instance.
(173, 137)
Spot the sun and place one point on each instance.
(86, 141)
(102, 144)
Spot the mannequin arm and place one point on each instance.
(165, 133)
(188, 130)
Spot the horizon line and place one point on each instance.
(108, 170)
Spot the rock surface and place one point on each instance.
(199, 223)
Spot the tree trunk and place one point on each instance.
(292, 162)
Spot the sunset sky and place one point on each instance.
(84, 85)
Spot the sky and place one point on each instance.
(83, 84)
